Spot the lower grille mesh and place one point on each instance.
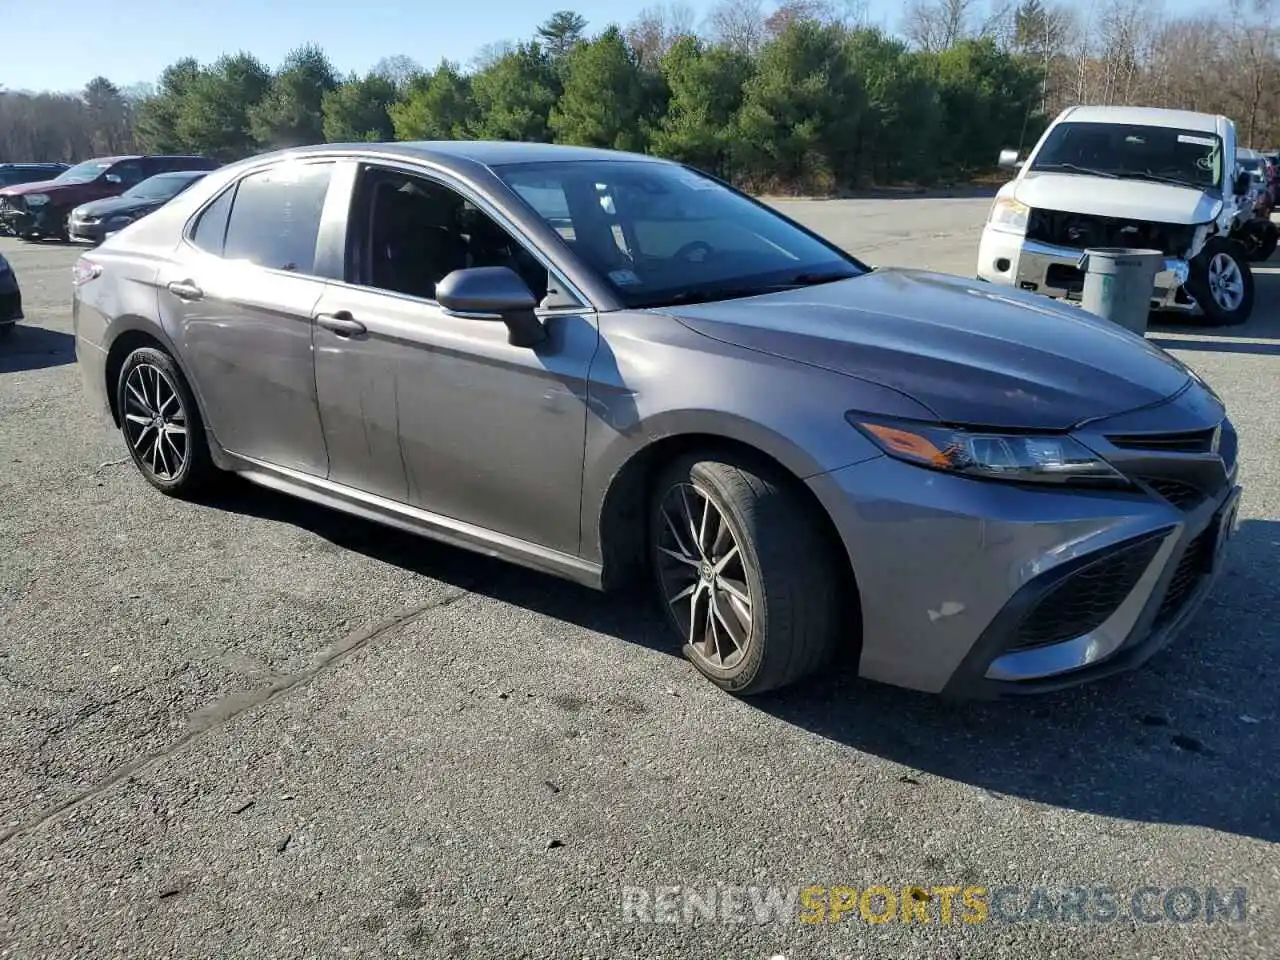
(1193, 566)
(1086, 598)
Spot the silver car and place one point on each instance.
(609, 366)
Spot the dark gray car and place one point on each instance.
(92, 222)
(608, 366)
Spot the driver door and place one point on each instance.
(437, 411)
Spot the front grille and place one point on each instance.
(1184, 496)
(1195, 564)
(1060, 276)
(1077, 230)
(1083, 601)
(1186, 441)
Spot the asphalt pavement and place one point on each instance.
(254, 728)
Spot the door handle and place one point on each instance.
(341, 323)
(185, 290)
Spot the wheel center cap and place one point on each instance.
(707, 571)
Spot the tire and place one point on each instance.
(1222, 255)
(783, 565)
(146, 374)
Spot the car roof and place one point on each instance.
(1144, 116)
(459, 153)
(38, 164)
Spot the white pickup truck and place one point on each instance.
(1154, 179)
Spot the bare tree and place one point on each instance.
(938, 24)
(737, 24)
(655, 28)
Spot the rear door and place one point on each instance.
(239, 300)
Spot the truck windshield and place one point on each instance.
(1165, 154)
(84, 172)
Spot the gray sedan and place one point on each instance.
(609, 367)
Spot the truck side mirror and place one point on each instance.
(1009, 160)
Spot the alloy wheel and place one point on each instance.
(703, 577)
(1226, 284)
(155, 421)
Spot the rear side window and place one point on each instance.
(275, 218)
(211, 228)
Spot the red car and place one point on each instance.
(34, 211)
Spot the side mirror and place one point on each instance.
(493, 293)
(113, 178)
(1009, 160)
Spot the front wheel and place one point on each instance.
(744, 573)
(1221, 283)
(161, 424)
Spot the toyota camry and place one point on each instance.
(608, 366)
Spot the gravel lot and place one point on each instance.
(261, 729)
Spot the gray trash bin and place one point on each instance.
(1118, 284)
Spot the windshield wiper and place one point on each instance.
(1157, 178)
(1076, 168)
(811, 279)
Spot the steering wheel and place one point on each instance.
(685, 252)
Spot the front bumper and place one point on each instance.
(1054, 271)
(86, 231)
(986, 589)
(42, 221)
(10, 298)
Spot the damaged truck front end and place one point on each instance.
(1045, 257)
(29, 218)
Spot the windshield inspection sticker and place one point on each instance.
(623, 278)
(1198, 141)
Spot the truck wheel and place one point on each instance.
(1221, 283)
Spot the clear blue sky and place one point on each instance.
(50, 45)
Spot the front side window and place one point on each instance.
(409, 233)
(660, 233)
(130, 172)
(1167, 154)
(275, 218)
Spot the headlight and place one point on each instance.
(36, 200)
(1009, 215)
(1001, 456)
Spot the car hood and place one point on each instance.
(113, 206)
(1126, 199)
(40, 186)
(972, 353)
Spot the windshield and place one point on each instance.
(1189, 157)
(84, 172)
(1250, 164)
(163, 186)
(660, 234)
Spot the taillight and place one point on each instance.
(84, 271)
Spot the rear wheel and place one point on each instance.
(744, 573)
(1222, 283)
(161, 424)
